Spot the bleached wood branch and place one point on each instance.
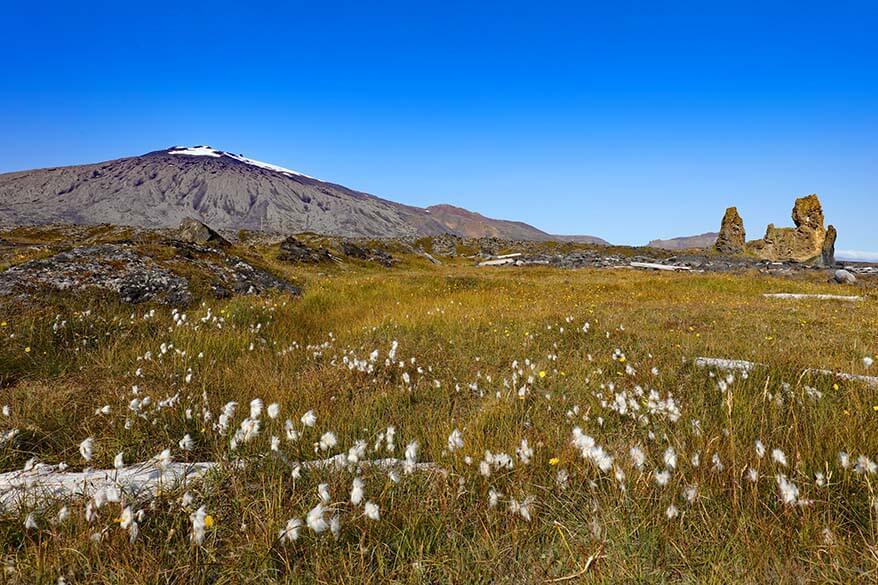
(142, 481)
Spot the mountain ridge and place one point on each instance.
(228, 192)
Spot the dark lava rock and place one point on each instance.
(292, 250)
(137, 278)
(195, 232)
(352, 250)
(134, 277)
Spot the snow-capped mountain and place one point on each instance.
(226, 191)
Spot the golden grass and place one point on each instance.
(463, 325)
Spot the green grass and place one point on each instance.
(463, 326)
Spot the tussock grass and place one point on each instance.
(465, 327)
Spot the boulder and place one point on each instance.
(731, 236)
(844, 277)
(193, 231)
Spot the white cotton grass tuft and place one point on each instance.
(637, 457)
(760, 449)
(323, 493)
(201, 521)
(119, 461)
(789, 493)
(371, 511)
(315, 519)
(273, 410)
(671, 512)
(779, 457)
(86, 449)
(662, 477)
(291, 531)
(411, 457)
(455, 441)
(187, 443)
(670, 458)
(256, 408)
(327, 441)
(309, 419)
(357, 491)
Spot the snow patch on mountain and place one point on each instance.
(212, 152)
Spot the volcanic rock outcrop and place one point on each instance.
(803, 243)
(731, 236)
(809, 242)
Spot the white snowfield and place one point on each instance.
(214, 153)
(142, 481)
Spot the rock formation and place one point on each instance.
(803, 243)
(195, 232)
(829, 246)
(731, 236)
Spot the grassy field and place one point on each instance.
(638, 466)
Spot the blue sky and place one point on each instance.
(627, 120)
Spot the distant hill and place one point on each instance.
(227, 192)
(686, 242)
(474, 225)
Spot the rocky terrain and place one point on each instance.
(139, 268)
(229, 192)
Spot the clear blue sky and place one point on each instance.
(627, 120)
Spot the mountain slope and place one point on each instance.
(225, 191)
(705, 240)
(228, 192)
(475, 225)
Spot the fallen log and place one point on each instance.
(142, 481)
(653, 266)
(745, 366)
(821, 297)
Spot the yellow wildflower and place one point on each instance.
(554, 461)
